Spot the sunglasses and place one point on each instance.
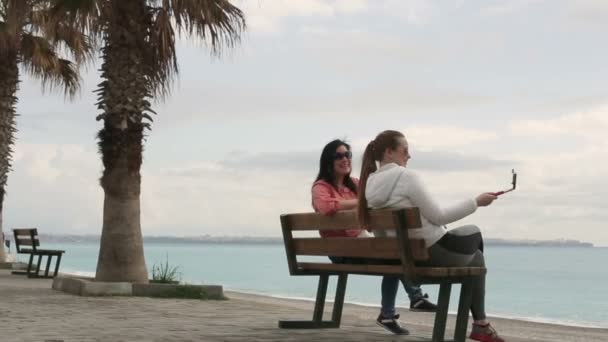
(340, 155)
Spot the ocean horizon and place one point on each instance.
(540, 284)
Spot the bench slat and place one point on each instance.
(433, 272)
(26, 237)
(372, 247)
(350, 268)
(382, 248)
(24, 231)
(426, 272)
(380, 220)
(27, 241)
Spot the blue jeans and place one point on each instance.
(390, 284)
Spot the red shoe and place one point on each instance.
(485, 333)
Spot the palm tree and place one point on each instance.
(28, 38)
(139, 63)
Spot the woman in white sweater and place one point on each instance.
(393, 186)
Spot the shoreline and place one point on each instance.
(421, 322)
(523, 319)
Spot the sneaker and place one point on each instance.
(392, 325)
(423, 305)
(485, 333)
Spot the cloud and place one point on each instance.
(590, 125)
(266, 16)
(593, 13)
(442, 136)
(443, 161)
(246, 193)
(415, 12)
(508, 7)
(54, 187)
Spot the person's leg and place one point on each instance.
(387, 318)
(463, 247)
(389, 288)
(413, 291)
(418, 300)
(479, 290)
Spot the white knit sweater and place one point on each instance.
(394, 186)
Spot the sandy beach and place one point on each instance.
(30, 311)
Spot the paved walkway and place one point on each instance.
(30, 311)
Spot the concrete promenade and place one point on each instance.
(30, 311)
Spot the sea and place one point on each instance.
(562, 285)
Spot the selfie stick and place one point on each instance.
(513, 182)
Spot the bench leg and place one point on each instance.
(317, 318)
(29, 265)
(37, 274)
(442, 312)
(464, 305)
(48, 265)
(57, 265)
(336, 315)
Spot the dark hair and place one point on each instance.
(373, 153)
(326, 165)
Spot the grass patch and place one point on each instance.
(163, 273)
(186, 292)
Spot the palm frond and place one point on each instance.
(163, 59)
(83, 15)
(41, 61)
(215, 21)
(73, 40)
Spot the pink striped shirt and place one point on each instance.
(325, 200)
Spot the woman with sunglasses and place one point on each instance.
(335, 190)
(393, 186)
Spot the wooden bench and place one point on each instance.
(408, 251)
(29, 237)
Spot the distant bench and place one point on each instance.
(29, 237)
(408, 251)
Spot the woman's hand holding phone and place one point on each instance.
(485, 199)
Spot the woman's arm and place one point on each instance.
(326, 204)
(348, 204)
(429, 208)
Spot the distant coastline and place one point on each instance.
(208, 239)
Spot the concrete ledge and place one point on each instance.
(88, 287)
(179, 291)
(85, 287)
(69, 285)
(13, 265)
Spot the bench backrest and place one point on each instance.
(399, 247)
(26, 239)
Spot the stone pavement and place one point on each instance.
(30, 311)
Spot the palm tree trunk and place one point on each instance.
(9, 81)
(122, 99)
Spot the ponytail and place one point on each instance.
(373, 152)
(368, 166)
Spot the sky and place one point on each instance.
(479, 87)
